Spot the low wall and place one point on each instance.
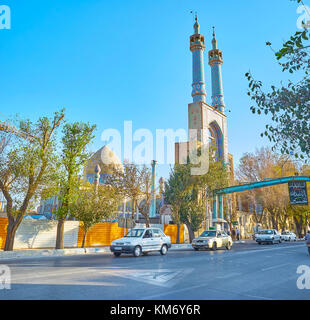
(34, 234)
(171, 230)
(102, 234)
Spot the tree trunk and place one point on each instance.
(298, 225)
(147, 221)
(190, 232)
(10, 236)
(178, 233)
(84, 238)
(60, 233)
(11, 231)
(133, 207)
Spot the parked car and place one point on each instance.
(212, 239)
(268, 236)
(141, 241)
(288, 236)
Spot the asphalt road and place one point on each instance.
(248, 271)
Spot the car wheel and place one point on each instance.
(137, 251)
(289, 239)
(228, 247)
(280, 240)
(214, 246)
(196, 249)
(259, 242)
(163, 250)
(117, 254)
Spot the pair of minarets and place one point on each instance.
(197, 46)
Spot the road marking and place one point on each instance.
(156, 296)
(234, 274)
(274, 267)
(159, 277)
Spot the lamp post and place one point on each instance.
(153, 195)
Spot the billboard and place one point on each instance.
(298, 192)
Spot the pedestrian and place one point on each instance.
(238, 234)
(307, 238)
(233, 233)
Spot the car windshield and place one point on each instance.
(208, 234)
(285, 232)
(266, 232)
(135, 233)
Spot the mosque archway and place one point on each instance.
(216, 139)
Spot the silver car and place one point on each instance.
(268, 236)
(141, 241)
(212, 239)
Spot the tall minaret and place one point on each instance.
(216, 61)
(197, 46)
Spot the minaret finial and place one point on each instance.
(214, 42)
(197, 46)
(215, 61)
(196, 25)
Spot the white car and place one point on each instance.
(141, 241)
(212, 239)
(288, 236)
(268, 236)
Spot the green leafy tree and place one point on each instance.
(176, 189)
(133, 182)
(289, 104)
(188, 194)
(27, 167)
(74, 155)
(93, 204)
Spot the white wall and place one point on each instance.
(42, 234)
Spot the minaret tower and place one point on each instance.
(216, 61)
(206, 123)
(197, 46)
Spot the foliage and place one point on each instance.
(288, 105)
(276, 208)
(74, 155)
(133, 182)
(94, 204)
(188, 194)
(26, 167)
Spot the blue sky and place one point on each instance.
(110, 61)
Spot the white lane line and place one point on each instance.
(274, 267)
(234, 274)
(156, 296)
(264, 250)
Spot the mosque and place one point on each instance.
(209, 120)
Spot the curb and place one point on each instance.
(41, 253)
